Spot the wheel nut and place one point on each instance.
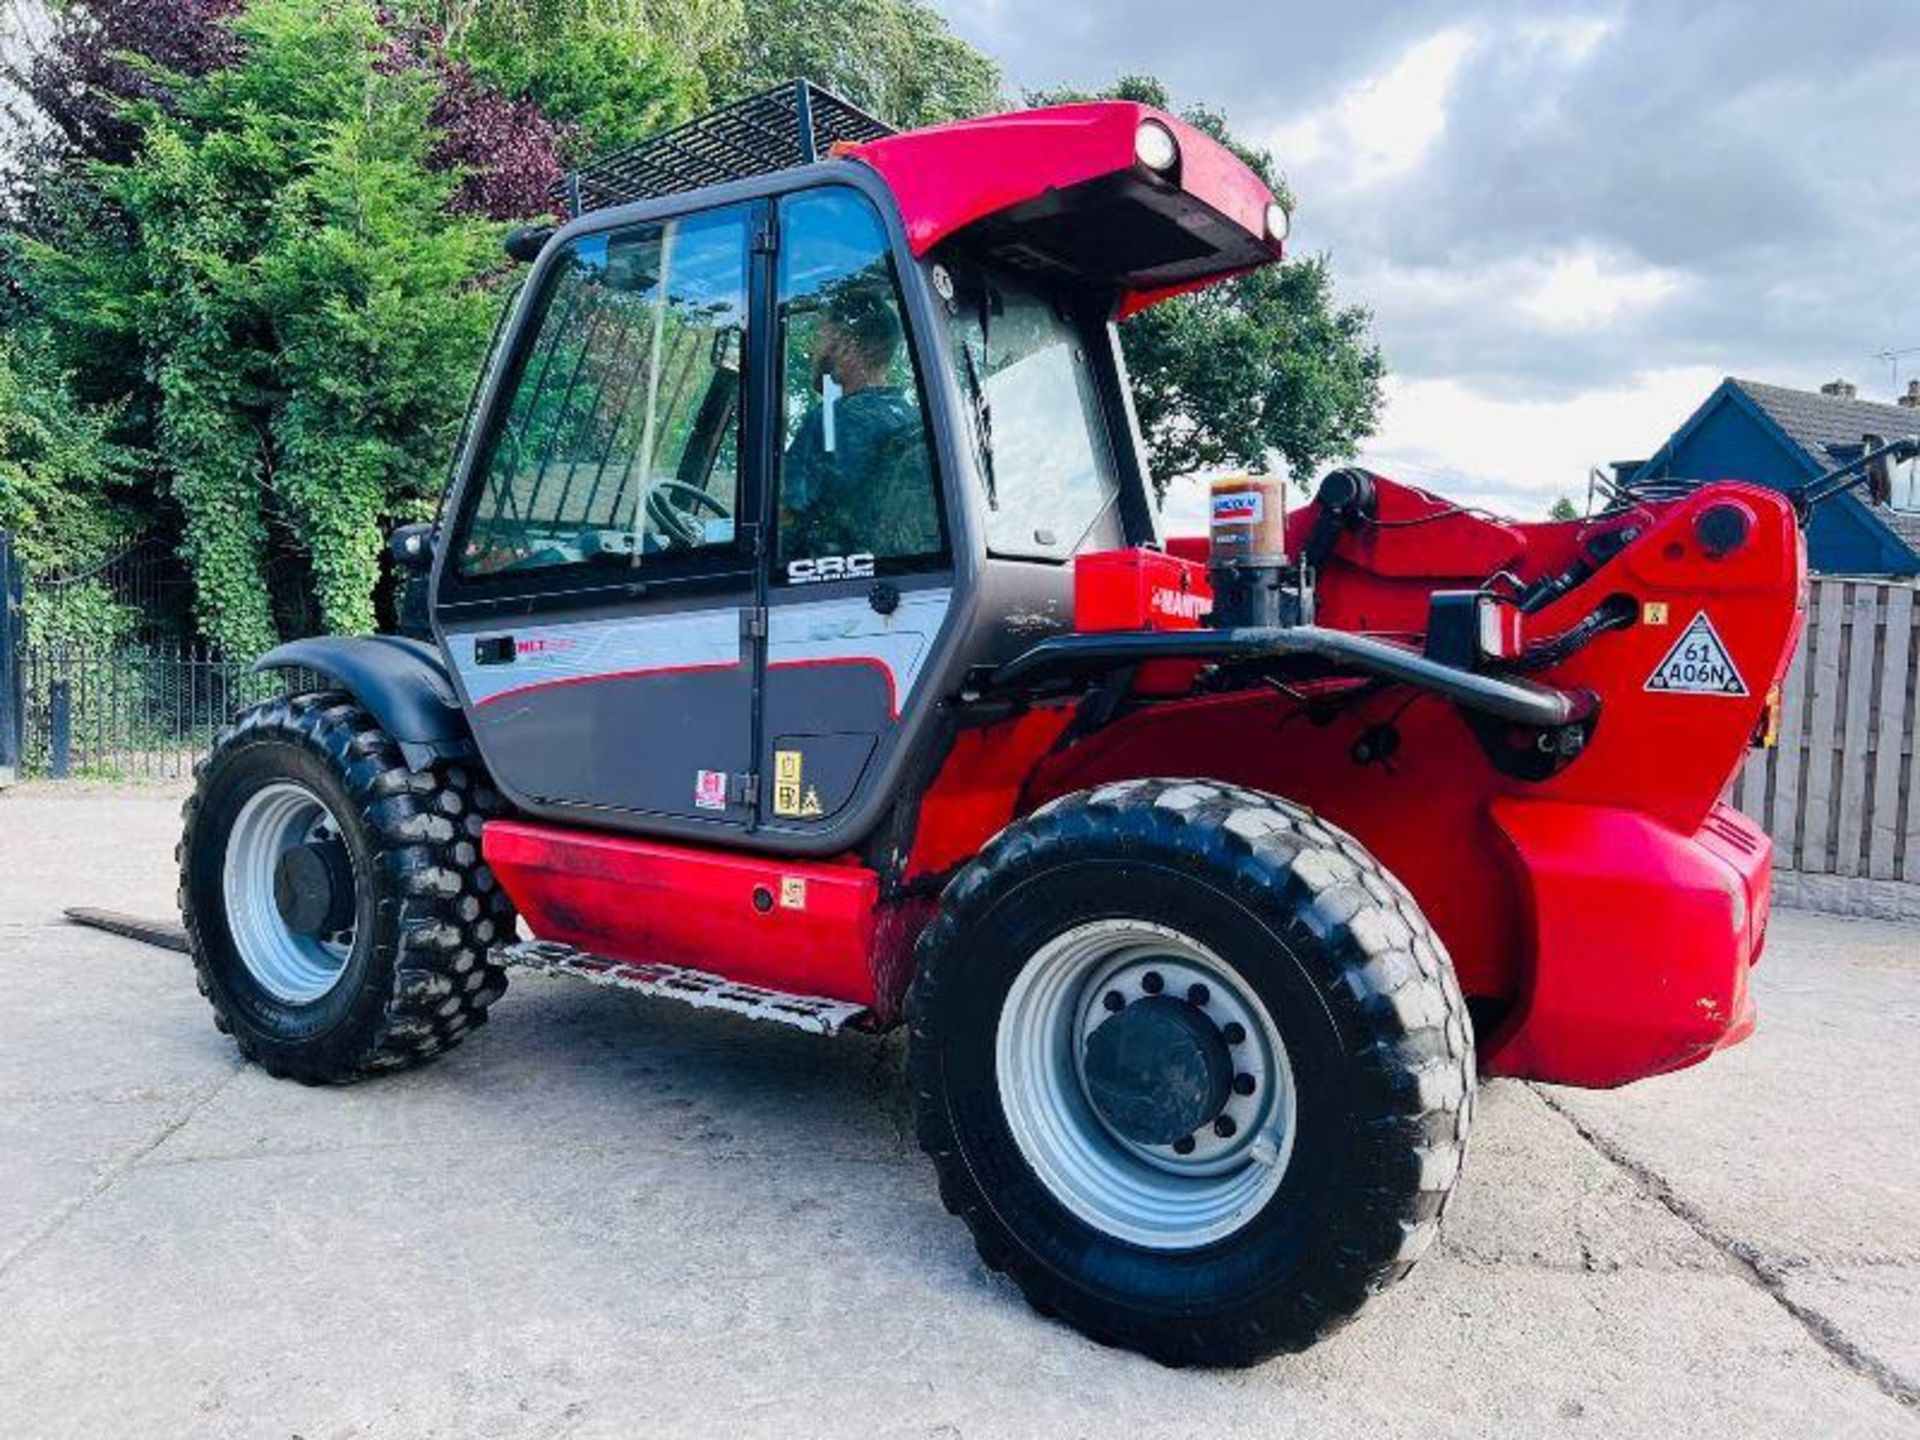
(1184, 1145)
(1198, 995)
(1114, 1000)
(1152, 983)
(1224, 1127)
(1243, 1084)
(1233, 1032)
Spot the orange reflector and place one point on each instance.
(1766, 734)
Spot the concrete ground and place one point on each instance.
(607, 1216)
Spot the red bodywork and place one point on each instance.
(1605, 917)
(1050, 165)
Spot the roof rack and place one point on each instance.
(791, 124)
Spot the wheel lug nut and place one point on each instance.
(1198, 995)
(1114, 1000)
(1152, 983)
(1224, 1127)
(1184, 1145)
(1243, 1084)
(1233, 1032)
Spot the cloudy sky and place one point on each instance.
(1569, 222)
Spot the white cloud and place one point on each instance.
(1517, 454)
(1585, 287)
(1384, 125)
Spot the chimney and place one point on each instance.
(1840, 389)
(1910, 400)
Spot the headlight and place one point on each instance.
(1155, 147)
(1278, 221)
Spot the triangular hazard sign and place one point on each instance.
(1698, 664)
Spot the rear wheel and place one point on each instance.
(335, 901)
(1192, 1067)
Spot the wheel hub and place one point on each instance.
(313, 888)
(1146, 1083)
(1157, 1070)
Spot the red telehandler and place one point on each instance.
(797, 638)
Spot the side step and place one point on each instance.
(697, 988)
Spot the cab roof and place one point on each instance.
(1061, 192)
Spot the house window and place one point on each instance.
(1906, 486)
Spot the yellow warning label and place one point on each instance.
(789, 796)
(1654, 612)
(810, 806)
(793, 893)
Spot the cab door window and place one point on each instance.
(856, 475)
(620, 444)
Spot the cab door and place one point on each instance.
(599, 593)
(860, 570)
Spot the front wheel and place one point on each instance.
(1192, 1067)
(338, 911)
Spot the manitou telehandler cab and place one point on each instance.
(799, 640)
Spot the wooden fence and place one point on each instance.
(1840, 793)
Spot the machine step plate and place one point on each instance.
(694, 987)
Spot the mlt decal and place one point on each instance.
(1698, 664)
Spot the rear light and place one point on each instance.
(1278, 222)
(1155, 147)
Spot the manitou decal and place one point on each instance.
(1698, 664)
(1178, 604)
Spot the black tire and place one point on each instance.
(1359, 987)
(419, 976)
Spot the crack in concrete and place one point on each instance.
(114, 1172)
(1747, 1262)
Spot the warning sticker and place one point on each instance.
(710, 789)
(1698, 664)
(791, 795)
(786, 782)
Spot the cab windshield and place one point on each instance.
(1036, 427)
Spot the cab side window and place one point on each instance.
(620, 442)
(856, 475)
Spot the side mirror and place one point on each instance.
(525, 242)
(411, 547)
(1879, 472)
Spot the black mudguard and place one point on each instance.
(402, 683)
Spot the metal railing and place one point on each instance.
(143, 712)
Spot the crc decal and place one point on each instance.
(812, 571)
(1698, 664)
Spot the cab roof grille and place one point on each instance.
(789, 125)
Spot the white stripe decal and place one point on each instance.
(600, 649)
(851, 629)
(846, 629)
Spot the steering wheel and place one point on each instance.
(673, 506)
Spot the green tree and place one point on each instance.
(302, 311)
(614, 70)
(895, 58)
(1263, 368)
(1563, 509)
(62, 477)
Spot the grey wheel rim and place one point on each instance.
(1155, 1196)
(294, 968)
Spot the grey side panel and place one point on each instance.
(632, 742)
(403, 684)
(624, 712)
